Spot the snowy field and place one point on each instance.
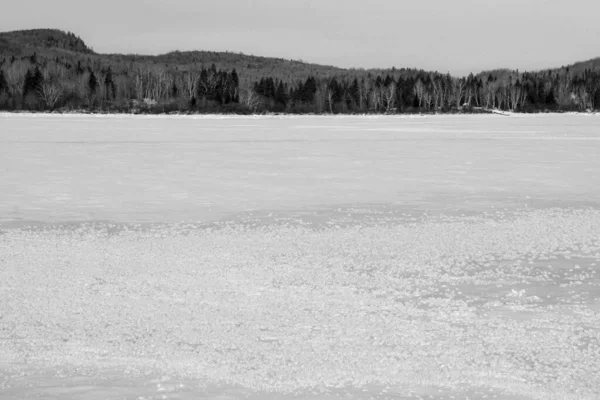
(439, 257)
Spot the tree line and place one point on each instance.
(48, 83)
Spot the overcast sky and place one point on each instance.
(456, 36)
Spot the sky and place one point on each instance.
(456, 36)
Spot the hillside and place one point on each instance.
(581, 66)
(575, 68)
(26, 41)
(50, 43)
(56, 43)
(45, 69)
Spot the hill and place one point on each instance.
(48, 68)
(50, 43)
(581, 66)
(57, 43)
(19, 42)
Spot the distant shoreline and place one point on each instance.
(35, 114)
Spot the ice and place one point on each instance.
(299, 257)
(126, 168)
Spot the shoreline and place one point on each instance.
(495, 113)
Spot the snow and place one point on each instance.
(178, 169)
(319, 257)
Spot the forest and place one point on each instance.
(50, 70)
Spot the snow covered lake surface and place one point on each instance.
(441, 257)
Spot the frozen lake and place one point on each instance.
(440, 257)
(132, 169)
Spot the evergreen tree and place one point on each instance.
(203, 84)
(92, 83)
(174, 90)
(259, 87)
(38, 78)
(270, 88)
(109, 85)
(235, 86)
(280, 95)
(27, 83)
(33, 81)
(297, 94)
(336, 89)
(415, 102)
(355, 92)
(31, 86)
(3, 83)
(310, 89)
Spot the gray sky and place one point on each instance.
(456, 36)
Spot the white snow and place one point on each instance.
(324, 257)
(125, 168)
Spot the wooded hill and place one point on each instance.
(49, 69)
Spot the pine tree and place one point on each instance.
(38, 79)
(202, 84)
(310, 89)
(3, 83)
(235, 86)
(174, 90)
(355, 91)
(92, 83)
(280, 95)
(27, 83)
(109, 85)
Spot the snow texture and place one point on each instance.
(314, 257)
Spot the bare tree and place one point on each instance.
(50, 94)
(457, 92)
(250, 99)
(563, 90)
(514, 96)
(139, 87)
(419, 91)
(389, 96)
(375, 98)
(582, 97)
(487, 94)
(159, 85)
(502, 96)
(428, 97)
(330, 99)
(364, 89)
(190, 81)
(440, 93)
(320, 99)
(15, 76)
